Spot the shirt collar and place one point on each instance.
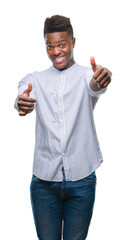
(66, 71)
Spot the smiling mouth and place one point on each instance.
(58, 59)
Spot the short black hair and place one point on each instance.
(58, 23)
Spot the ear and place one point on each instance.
(73, 41)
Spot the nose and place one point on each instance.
(56, 51)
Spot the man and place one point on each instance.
(67, 150)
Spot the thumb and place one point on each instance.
(28, 90)
(93, 64)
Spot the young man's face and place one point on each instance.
(59, 46)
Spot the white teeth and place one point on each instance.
(58, 59)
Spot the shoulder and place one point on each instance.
(39, 74)
(86, 72)
(84, 69)
(32, 77)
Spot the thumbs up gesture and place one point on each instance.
(101, 77)
(25, 102)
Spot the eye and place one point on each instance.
(49, 47)
(62, 45)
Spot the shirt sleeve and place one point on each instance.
(88, 76)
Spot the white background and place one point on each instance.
(99, 28)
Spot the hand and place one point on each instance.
(26, 103)
(102, 76)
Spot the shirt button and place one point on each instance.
(63, 154)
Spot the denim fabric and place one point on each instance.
(69, 201)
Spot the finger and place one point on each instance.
(93, 63)
(21, 113)
(25, 98)
(107, 83)
(98, 72)
(27, 104)
(105, 79)
(26, 109)
(102, 75)
(28, 90)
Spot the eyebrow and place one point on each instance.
(63, 40)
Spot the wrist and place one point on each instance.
(16, 104)
(94, 85)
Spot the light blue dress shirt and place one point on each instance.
(65, 129)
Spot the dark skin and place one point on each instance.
(59, 46)
(25, 102)
(101, 77)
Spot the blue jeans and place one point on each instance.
(70, 201)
